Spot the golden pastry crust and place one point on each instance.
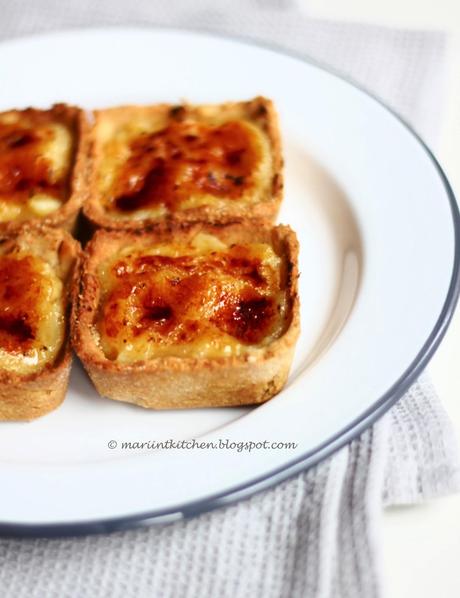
(75, 121)
(258, 115)
(28, 396)
(184, 382)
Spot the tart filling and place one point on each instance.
(36, 148)
(152, 168)
(32, 325)
(200, 299)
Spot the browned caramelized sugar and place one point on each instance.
(23, 170)
(176, 300)
(20, 286)
(185, 158)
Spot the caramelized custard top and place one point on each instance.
(187, 159)
(21, 286)
(25, 169)
(203, 304)
(32, 322)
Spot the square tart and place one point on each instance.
(42, 163)
(201, 317)
(38, 266)
(150, 165)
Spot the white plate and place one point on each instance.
(377, 224)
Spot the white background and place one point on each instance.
(422, 543)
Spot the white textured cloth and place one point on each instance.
(316, 535)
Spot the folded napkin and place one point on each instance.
(317, 534)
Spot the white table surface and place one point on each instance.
(422, 543)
